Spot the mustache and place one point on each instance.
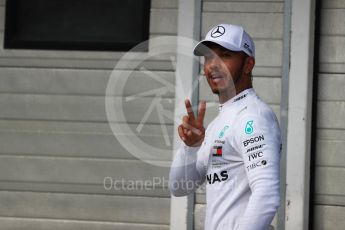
(218, 74)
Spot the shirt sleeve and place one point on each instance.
(184, 176)
(258, 141)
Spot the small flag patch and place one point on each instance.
(217, 151)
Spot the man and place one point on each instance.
(238, 154)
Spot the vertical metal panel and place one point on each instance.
(299, 126)
(284, 105)
(189, 13)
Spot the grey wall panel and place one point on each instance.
(329, 217)
(82, 60)
(331, 87)
(77, 108)
(266, 53)
(268, 89)
(271, 71)
(244, 7)
(107, 64)
(331, 114)
(332, 50)
(246, 0)
(330, 153)
(332, 23)
(331, 67)
(97, 60)
(330, 180)
(199, 216)
(84, 207)
(2, 15)
(80, 82)
(333, 4)
(333, 37)
(164, 4)
(9, 223)
(77, 55)
(331, 134)
(321, 199)
(157, 189)
(200, 197)
(65, 139)
(75, 170)
(163, 21)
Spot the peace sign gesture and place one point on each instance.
(192, 131)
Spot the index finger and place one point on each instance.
(202, 110)
(189, 110)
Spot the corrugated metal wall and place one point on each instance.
(263, 20)
(57, 147)
(330, 156)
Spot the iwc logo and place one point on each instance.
(217, 31)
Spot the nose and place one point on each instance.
(213, 62)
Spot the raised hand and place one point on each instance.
(192, 131)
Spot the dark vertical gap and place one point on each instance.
(196, 93)
(318, 6)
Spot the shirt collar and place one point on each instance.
(236, 98)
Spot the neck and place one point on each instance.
(225, 96)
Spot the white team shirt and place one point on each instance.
(239, 162)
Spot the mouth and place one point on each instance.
(216, 77)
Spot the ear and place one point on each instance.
(249, 65)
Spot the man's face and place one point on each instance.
(223, 68)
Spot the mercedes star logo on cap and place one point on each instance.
(217, 31)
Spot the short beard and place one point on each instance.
(232, 86)
(215, 91)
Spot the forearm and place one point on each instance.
(184, 176)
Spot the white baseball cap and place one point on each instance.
(231, 37)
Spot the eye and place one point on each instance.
(226, 55)
(207, 58)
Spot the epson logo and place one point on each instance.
(214, 177)
(253, 140)
(255, 156)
